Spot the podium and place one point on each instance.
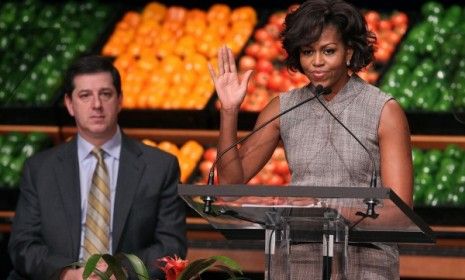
(319, 217)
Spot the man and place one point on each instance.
(62, 214)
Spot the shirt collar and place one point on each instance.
(112, 147)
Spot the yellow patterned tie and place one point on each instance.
(97, 232)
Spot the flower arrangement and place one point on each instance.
(179, 269)
(174, 268)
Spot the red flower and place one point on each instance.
(173, 266)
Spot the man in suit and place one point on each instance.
(55, 214)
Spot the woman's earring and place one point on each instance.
(348, 63)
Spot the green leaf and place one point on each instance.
(114, 267)
(138, 265)
(90, 266)
(196, 267)
(75, 265)
(227, 270)
(101, 274)
(228, 262)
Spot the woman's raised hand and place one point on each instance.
(231, 88)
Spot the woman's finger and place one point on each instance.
(212, 72)
(224, 52)
(232, 62)
(220, 62)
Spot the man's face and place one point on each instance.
(95, 104)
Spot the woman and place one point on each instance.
(328, 41)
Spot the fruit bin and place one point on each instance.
(208, 138)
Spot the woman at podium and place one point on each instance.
(348, 130)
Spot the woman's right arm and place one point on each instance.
(238, 165)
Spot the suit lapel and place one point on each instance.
(129, 175)
(67, 175)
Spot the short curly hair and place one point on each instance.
(304, 26)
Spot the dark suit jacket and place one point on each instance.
(149, 217)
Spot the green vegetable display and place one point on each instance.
(15, 148)
(39, 41)
(428, 73)
(439, 176)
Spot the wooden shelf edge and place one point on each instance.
(209, 137)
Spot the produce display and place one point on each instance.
(389, 30)
(439, 176)
(39, 41)
(275, 172)
(428, 72)
(15, 148)
(188, 155)
(162, 52)
(265, 55)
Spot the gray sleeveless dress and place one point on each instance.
(320, 152)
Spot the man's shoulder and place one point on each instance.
(61, 150)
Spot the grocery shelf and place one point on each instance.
(204, 136)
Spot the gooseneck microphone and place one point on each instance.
(371, 202)
(319, 90)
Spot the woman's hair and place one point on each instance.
(304, 26)
(90, 65)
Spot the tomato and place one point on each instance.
(261, 35)
(261, 78)
(276, 81)
(264, 65)
(273, 30)
(278, 19)
(254, 181)
(399, 19)
(281, 168)
(275, 180)
(210, 154)
(372, 18)
(205, 167)
(247, 63)
(252, 49)
(385, 24)
(267, 51)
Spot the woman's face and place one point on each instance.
(324, 61)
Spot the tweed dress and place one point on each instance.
(320, 152)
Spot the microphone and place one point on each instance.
(371, 202)
(319, 90)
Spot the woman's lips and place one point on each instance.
(318, 75)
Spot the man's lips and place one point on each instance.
(97, 117)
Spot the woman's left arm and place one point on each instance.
(396, 152)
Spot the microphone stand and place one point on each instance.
(370, 202)
(208, 200)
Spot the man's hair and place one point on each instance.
(304, 26)
(90, 65)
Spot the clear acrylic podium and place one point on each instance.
(323, 216)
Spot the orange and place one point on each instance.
(169, 147)
(132, 18)
(244, 14)
(195, 28)
(219, 12)
(123, 62)
(176, 13)
(155, 11)
(129, 101)
(153, 99)
(149, 142)
(197, 15)
(171, 64)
